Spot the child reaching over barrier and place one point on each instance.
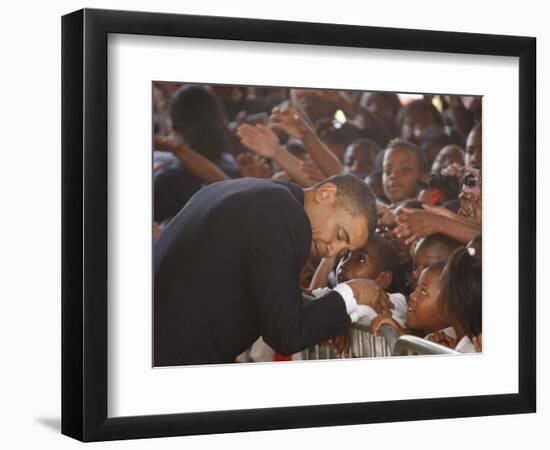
(377, 261)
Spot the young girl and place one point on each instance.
(422, 314)
(459, 302)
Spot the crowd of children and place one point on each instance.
(420, 154)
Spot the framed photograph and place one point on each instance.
(271, 225)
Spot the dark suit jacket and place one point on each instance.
(227, 271)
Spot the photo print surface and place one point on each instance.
(308, 224)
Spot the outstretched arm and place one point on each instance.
(265, 142)
(415, 224)
(197, 164)
(292, 123)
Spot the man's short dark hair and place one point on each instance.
(355, 196)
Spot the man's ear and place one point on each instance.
(384, 280)
(326, 193)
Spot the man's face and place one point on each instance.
(334, 230)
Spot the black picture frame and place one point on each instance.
(84, 224)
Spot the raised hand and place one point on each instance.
(385, 319)
(260, 139)
(416, 223)
(289, 121)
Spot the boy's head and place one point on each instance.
(360, 157)
(473, 148)
(422, 313)
(377, 260)
(429, 250)
(405, 167)
(448, 155)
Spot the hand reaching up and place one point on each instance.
(289, 121)
(416, 223)
(260, 139)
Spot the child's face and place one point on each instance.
(473, 149)
(401, 174)
(359, 159)
(447, 156)
(423, 313)
(426, 255)
(358, 264)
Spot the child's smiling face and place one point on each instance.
(422, 313)
(401, 174)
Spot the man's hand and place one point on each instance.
(367, 292)
(289, 121)
(259, 139)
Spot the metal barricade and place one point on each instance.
(407, 344)
(364, 345)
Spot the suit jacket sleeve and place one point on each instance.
(276, 256)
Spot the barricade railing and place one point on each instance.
(388, 343)
(407, 344)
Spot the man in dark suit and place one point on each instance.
(227, 268)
